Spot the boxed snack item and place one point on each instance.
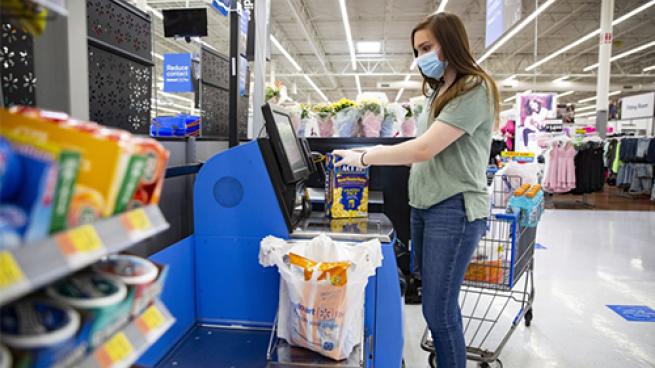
(144, 278)
(346, 190)
(103, 302)
(148, 189)
(322, 286)
(104, 160)
(41, 333)
(491, 272)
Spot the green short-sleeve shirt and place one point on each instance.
(461, 167)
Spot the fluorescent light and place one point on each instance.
(413, 66)
(566, 94)
(311, 83)
(511, 81)
(349, 36)
(516, 30)
(509, 99)
(585, 38)
(285, 53)
(586, 114)
(649, 68)
(369, 47)
(442, 6)
(586, 108)
(527, 91)
(561, 79)
(359, 86)
(402, 90)
(158, 56)
(624, 54)
(594, 97)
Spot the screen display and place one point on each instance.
(289, 141)
(185, 22)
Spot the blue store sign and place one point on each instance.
(223, 6)
(177, 73)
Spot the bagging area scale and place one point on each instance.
(224, 301)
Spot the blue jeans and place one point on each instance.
(444, 242)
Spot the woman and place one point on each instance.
(447, 184)
(534, 118)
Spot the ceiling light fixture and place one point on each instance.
(594, 97)
(349, 37)
(442, 6)
(516, 30)
(311, 83)
(402, 90)
(587, 37)
(369, 47)
(586, 114)
(585, 108)
(359, 86)
(624, 54)
(566, 94)
(285, 53)
(413, 66)
(649, 68)
(158, 56)
(561, 79)
(509, 99)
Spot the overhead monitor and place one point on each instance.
(288, 150)
(185, 22)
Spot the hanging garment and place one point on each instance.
(642, 148)
(642, 179)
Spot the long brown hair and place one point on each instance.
(449, 31)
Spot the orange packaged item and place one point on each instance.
(335, 272)
(149, 187)
(103, 161)
(490, 272)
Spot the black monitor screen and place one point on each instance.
(286, 144)
(185, 22)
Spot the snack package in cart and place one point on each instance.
(322, 289)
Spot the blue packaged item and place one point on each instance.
(529, 203)
(10, 171)
(181, 125)
(41, 333)
(387, 126)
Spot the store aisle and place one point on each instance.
(592, 259)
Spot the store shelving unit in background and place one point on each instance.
(124, 347)
(31, 266)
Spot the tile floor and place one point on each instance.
(593, 258)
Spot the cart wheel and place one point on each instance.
(403, 363)
(528, 318)
(432, 360)
(484, 365)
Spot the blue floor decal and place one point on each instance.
(539, 246)
(634, 313)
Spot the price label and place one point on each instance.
(136, 220)
(117, 349)
(10, 272)
(150, 320)
(83, 239)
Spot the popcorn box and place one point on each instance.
(346, 190)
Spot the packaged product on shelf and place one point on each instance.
(487, 271)
(322, 288)
(29, 211)
(103, 302)
(346, 190)
(149, 187)
(104, 161)
(5, 357)
(144, 278)
(41, 333)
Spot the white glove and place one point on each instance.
(349, 158)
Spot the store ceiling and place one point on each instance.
(307, 28)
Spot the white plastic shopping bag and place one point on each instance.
(322, 291)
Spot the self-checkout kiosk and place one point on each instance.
(242, 195)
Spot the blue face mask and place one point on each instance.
(431, 66)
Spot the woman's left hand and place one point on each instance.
(349, 158)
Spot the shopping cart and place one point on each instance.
(495, 297)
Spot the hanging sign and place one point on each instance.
(639, 106)
(222, 6)
(177, 73)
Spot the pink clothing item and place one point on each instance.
(560, 177)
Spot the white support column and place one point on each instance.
(604, 68)
(262, 42)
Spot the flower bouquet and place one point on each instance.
(325, 113)
(408, 127)
(346, 117)
(372, 117)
